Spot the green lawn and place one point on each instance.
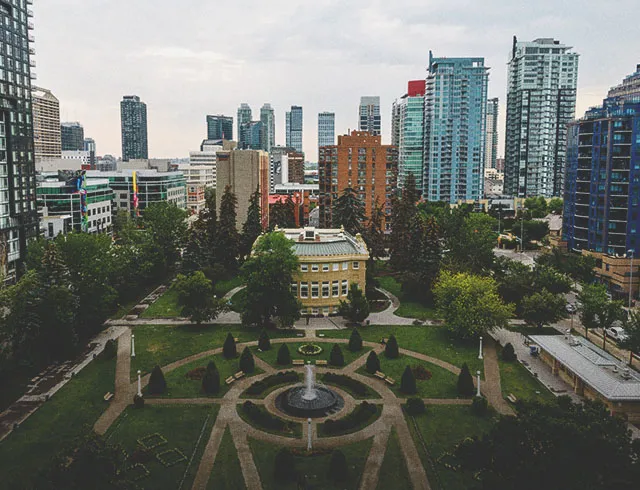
(185, 428)
(315, 468)
(179, 386)
(237, 299)
(394, 473)
(433, 341)
(226, 473)
(271, 355)
(515, 379)
(166, 306)
(164, 344)
(71, 412)
(223, 287)
(408, 308)
(442, 428)
(126, 307)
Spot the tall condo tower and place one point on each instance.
(294, 128)
(219, 127)
(491, 145)
(268, 119)
(408, 133)
(46, 124)
(133, 115)
(369, 115)
(72, 136)
(326, 129)
(244, 117)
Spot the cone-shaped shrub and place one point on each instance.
(211, 379)
(479, 406)
(284, 466)
(408, 382)
(508, 353)
(391, 350)
(336, 358)
(465, 381)
(138, 401)
(229, 348)
(284, 358)
(415, 406)
(355, 341)
(157, 383)
(338, 468)
(373, 363)
(247, 363)
(264, 343)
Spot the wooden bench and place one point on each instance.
(379, 374)
(512, 398)
(389, 380)
(229, 380)
(108, 396)
(321, 362)
(320, 335)
(383, 341)
(238, 375)
(298, 362)
(235, 339)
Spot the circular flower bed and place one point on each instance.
(309, 349)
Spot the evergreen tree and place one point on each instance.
(252, 227)
(196, 256)
(338, 468)
(391, 350)
(465, 382)
(408, 382)
(247, 363)
(373, 363)
(374, 235)
(348, 211)
(356, 308)
(424, 247)
(229, 350)
(403, 210)
(264, 343)
(336, 358)
(208, 220)
(284, 357)
(282, 214)
(211, 379)
(227, 237)
(157, 383)
(508, 353)
(355, 341)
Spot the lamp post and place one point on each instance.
(140, 383)
(309, 445)
(630, 252)
(480, 351)
(478, 375)
(133, 345)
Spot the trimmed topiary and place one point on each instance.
(247, 363)
(157, 383)
(264, 343)
(408, 382)
(229, 350)
(479, 406)
(284, 466)
(110, 349)
(338, 468)
(284, 357)
(138, 401)
(391, 350)
(509, 353)
(373, 363)
(211, 379)
(415, 406)
(355, 341)
(335, 357)
(465, 382)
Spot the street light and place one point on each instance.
(478, 393)
(133, 345)
(480, 352)
(630, 252)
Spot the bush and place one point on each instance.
(262, 418)
(335, 357)
(264, 343)
(350, 384)
(110, 349)
(355, 341)
(465, 382)
(408, 382)
(509, 353)
(260, 387)
(229, 350)
(361, 414)
(157, 383)
(479, 406)
(338, 468)
(247, 363)
(211, 379)
(415, 406)
(422, 373)
(391, 350)
(138, 401)
(284, 358)
(373, 363)
(284, 466)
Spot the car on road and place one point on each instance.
(571, 308)
(616, 333)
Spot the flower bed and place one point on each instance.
(309, 349)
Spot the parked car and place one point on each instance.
(571, 308)
(616, 333)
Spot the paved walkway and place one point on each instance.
(492, 388)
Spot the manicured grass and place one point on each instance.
(237, 299)
(126, 307)
(433, 341)
(271, 355)
(226, 473)
(408, 308)
(516, 380)
(166, 306)
(315, 467)
(71, 412)
(163, 344)
(393, 473)
(179, 386)
(442, 429)
(223, 287)
(185, 428)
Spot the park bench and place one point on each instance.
(511, 398)
(321, 362)
(229, 380)
(298, 362)
(238, 375)
(379, 374)
(383, 340)
(390, 381)
(320, 335)
(235, 339)
(108, 396)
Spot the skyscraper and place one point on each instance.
(369, 115)
(18, 213)
(294, 128)
(454, 129)
(46, 124)
(244, 116)
(268, 119)
(491, 145)
(408, 123)
(72, 136)
(133, 116)
(219, 127)
(541, 101)
(252, 135)
(326, 129)
(90, 147)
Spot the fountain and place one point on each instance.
(310, 399)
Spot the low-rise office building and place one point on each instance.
(618, 272)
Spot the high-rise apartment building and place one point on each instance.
(47, 137)
(252, 136)
(133, 116)
(454, 129)
(72, 136)
(294, 128)
(219, 127)
(18, 213)
(90, 147)
(268, 120)
(326, 129)
(491, 145)
(369, 115)
(359, 161)
(408, 124)
(244, 116)
(541, 101)
(602, 192)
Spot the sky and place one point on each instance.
(189, 58)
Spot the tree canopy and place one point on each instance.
(348, 211)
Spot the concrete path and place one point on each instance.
(491, 387)
(388, 316)
(371, 471)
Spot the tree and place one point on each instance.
(465, 382)
(348, 211)
(408, 382)
(356, 308)
(284, 357)
(551, 280)
(157, 383)
(247, 363)
(284, 466)
(543, 308)
(534, 231)
(268, 274)
(227, 238)
(509, 353)
(470, 304)
(374, 235)
(613, 312)
(391, 349)
(196, 297)
(211, 379)
(252, 227)
(579, 267)
(470, 239)
(425, 249)
(555, 205)
(537, 206)
(403, 211)
(229, 350)
(515, 281)
(264, 343)
(373, 363)
(415, 406)
(168, 227)
(338, 468)
(592, 300)
(632, 329)
(282, 214)
(196, 256)
(335, 357)
(355, 341)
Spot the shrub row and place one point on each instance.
(261, 386)
(345, 381)
(359, 416)
(262, 418)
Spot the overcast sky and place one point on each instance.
(189, 58)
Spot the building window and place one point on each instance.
(304, 289)
(304, 268)
(325, 289)
(325, 310)
(325, 267)
(335, 289)
(345, 266)
(356, 266)
(336, 266)
(314, 311)
(314, 290)
(345, 288)
(294, 289)
(314, 268)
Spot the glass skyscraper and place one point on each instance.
(133, 114)
(491, 145)
(220, 127)
(454, 129)
(294, 128)
(326, 129)
(408, 128)
(268, 119)
(72, 136)
(369, 115)
(244, 116)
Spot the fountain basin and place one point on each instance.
(293, 402)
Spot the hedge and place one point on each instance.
(262, 418)
(358, 388)
(261, 386)
(361, 414)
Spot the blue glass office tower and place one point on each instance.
(602, 186)
(219, 127)
(294, 128)
(455, 129)
(408, 133)
(133, 117)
